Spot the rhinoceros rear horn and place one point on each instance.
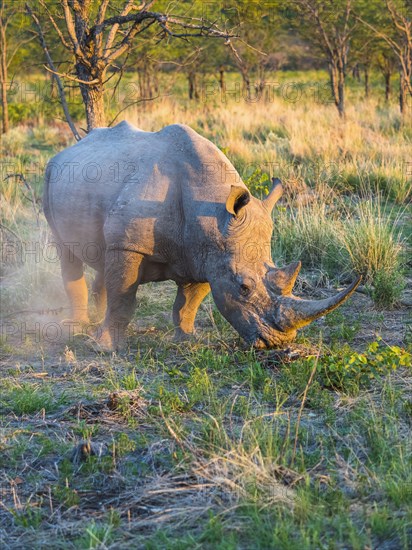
(284, 278)
(274, 194)
(294, 313)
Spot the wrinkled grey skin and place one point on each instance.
(150, 206)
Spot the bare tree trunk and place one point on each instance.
(341, 94)
(89, 69)
(192, 83)
(222, 79)
(337, 80)
(402, 94)
(3, 82)
(387, 76)
(385, 65)
(52, 85)
(333, 82)
(148, 81)
(4, 107)
(406, 79)
(246, 81)
(261, 83)
(355, 72)
(366, 74)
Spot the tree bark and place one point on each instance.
(92, 95)
(385, 64)
(94, 104)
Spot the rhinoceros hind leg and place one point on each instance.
(74, 285)
(187, 302)
(100, 294)
(121, 280)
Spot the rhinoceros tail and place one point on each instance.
(47, 209)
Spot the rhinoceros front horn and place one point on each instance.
(294, 313)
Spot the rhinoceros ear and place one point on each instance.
(237, 199)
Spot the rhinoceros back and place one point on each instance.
(125, 184)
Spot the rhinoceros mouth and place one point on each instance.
(261, 343)
(271, 337)
(268, 334)
(273, 341)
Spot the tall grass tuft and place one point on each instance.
(309, 229)
(337, 237)
(374, 245)
(310, 234)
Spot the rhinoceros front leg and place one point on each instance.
(188, 299)
(121, 278)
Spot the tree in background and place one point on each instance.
(329, 27)
(365, 50)
(393, 26)
(99, 35)
(386, 62)
(13, 35)
(257, 24)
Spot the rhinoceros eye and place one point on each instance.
(244, 290)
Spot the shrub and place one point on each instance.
(350, 370)
(387, 288)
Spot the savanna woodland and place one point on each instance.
(210, 443)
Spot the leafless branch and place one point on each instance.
(33, 199)
(55, 25)
(71, 29)
(53, 70)
(113, 31)
(141, 100)
(73, 78)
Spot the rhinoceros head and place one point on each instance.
(250, 292)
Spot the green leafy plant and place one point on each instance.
(258, 183)
(29, 398)
(353, 370)
(123, 445)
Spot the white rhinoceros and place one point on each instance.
(150, 206)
